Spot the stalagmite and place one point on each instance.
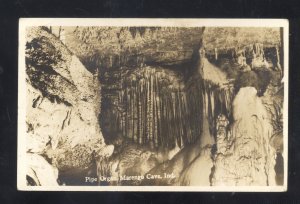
(223, 139)
(246, 158)
(258, 57)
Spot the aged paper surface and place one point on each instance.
(153, 104)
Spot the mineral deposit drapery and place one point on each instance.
(156, 110)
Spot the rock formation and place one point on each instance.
(199, 171)
(40, 172)
(248, 158)
(63, 104)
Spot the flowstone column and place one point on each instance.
(246, 159)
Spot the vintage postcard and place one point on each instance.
(153, 104)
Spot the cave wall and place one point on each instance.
(62, 104)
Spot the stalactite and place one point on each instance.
(207, 101)
(155, 108)
(216, 53)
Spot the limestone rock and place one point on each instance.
(63, 100)
(176, 165)
(40, 171)
(250, 159)
(199, 171)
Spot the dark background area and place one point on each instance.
(12, 10)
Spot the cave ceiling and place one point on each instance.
(131, 46)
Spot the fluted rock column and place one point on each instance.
(249, 158)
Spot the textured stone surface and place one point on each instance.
(250, 159)
(40, 171)
(63, 101)
(199, 171)
(224, 38)
(123, 46)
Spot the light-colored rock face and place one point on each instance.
(199, 171)
(249, 158)
(59, 130)
(213, 73)
(62, 106)
(40, 171)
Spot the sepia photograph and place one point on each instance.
(153, 104)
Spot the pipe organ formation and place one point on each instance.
(153, 106)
